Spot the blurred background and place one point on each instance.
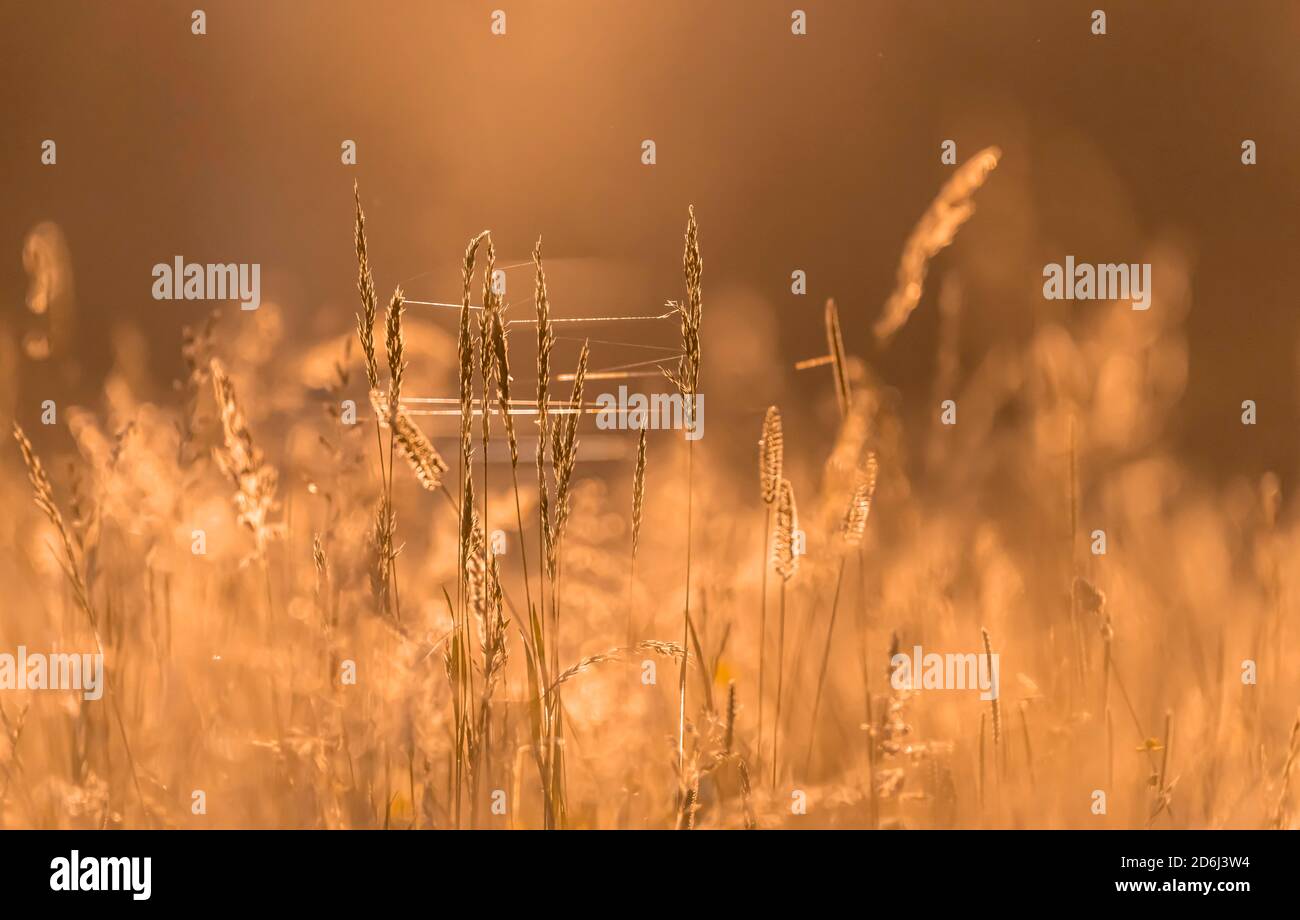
(816, 153)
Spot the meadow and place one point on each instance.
(317, 611)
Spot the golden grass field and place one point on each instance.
(649, 648)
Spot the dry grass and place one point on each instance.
(938, 226)
(284, 676)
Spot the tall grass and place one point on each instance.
(687, 377)
(285, 673)
(771, 454)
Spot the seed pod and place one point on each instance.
(771, 451)
(854, 524)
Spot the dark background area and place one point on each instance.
(818, 152)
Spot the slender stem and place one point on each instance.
(821, 676)
(392, 560)
(557, 751)
(545, 704)
(686, 619)
(383, 479)
(762, 634)
(631, 590)
(631, 626)
(523, 549)
(780, 681)
(458, 616)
